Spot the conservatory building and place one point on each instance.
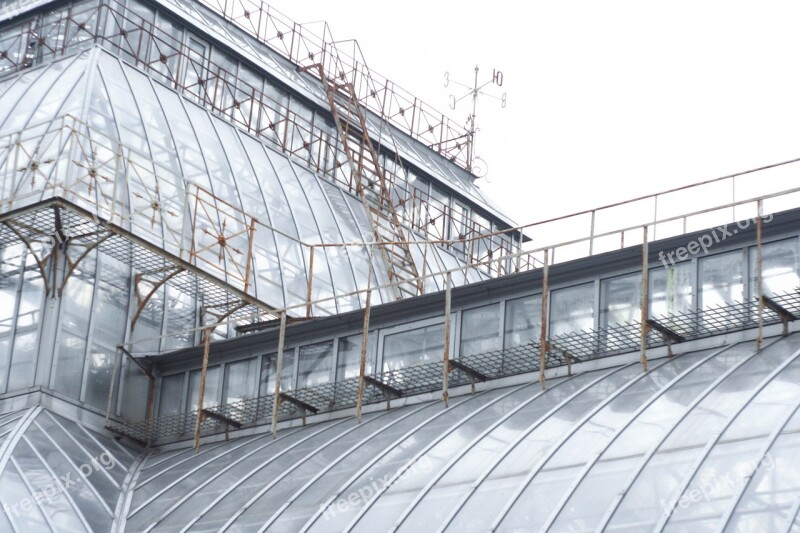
(248, 284)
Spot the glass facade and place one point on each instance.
(613, 448)
(217, 152)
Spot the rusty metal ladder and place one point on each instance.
(369, 176)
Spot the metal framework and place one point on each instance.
(384, 98)
(317, 144)
(410, 381)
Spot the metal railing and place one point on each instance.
(563, 350)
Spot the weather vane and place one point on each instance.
(475, 91)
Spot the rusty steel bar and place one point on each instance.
(201, 393)
(117, 360)
(276, 404)
(151, 396)
(446, 352)
(362, 368)
(310, 282)
(543, 344)
(760, 278)
(645, 298)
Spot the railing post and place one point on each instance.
(362, 369)
(310, 283)
(117, 359)
(543, 344)
(645, 298)
(201, 393)
(248, 266)
(760, 279)
(151, 395)
(276, 404)
(446, 352)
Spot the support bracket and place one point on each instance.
(387, 389)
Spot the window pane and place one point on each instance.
(210, 394)
(316, 361)
(523, 321)
(671, 290)
(620, 300)
(98, 376)
(480, 330)
(721, 279)
(414, 347)
(572, 309)
(267, 383)
(349, 359)
(171, 394)
(241, 380)
(779, 267)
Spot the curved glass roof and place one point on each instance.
(277, 65)
(171, 142)
(57, 476)
(701, 440)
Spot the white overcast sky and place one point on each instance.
(606, 100)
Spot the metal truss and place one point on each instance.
(467, 370)
(314, 143)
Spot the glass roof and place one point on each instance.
(703, 439)
(279, 66)
(122, 104)
(58, 476)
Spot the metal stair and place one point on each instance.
(367, 175)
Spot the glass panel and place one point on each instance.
(76, 309)
(10, 260)
(100, 365)
(171, 395)
(779, 267)
(111, 306)
(211, 393)
(572, 309)
(413, 347)
(620, 299)
(677, 455)
(480, 330)
(721, 279)
(349, 359)
(316, 362)
(523, 321)
(241, 380)
(671, 289)
(268, 364)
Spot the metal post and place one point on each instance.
(276, 404)
(543, 344)
(117, 358)
(363, 364)
(446, 355)
(760, 279)
(248, 267)
(202, 391)
(645, 298)
(310, 283)
(151, 397)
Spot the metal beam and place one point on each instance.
(475, 374)
(387, 389)
(785, 315)
(664, 330)
(221, 418)
(299, 403)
